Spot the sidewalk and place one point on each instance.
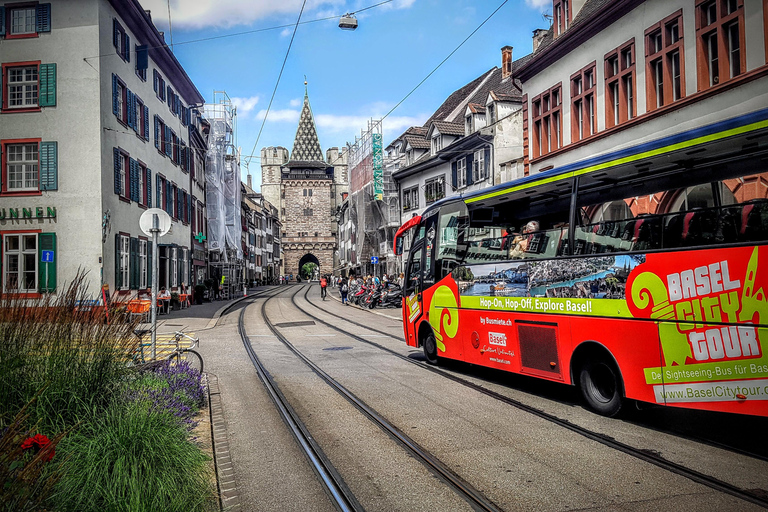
(196, 317)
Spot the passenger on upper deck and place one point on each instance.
(520, 243)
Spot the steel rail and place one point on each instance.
(657, 460)
(334, 485)
(472, 496)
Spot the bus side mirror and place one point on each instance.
(399, 246)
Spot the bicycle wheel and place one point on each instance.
(192, 358)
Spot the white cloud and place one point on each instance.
(539, 4)
(245, 105)
(296, 102)
(394, 125)
(228, 13)
(286, 32)
(280, 116)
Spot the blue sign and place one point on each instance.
(374, 260)
(47, 257)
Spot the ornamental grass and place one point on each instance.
(72, 351)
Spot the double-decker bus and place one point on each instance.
(640, 274)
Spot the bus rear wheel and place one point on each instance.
(600, 385)
(430, 349)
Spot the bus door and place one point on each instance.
(413, 309)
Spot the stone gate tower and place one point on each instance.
(307, 189)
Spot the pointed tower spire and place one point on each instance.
(306, 146)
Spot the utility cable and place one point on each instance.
(264, 121)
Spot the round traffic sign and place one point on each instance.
(163, 221)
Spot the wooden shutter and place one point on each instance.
(179, 269)
(145, 124)
(127, 48)
(154, 79)
(168, 142)
(142, 58)
(49, 166)
(129, 108)
(47, 85)
(46, 282)
(454, 176)
(157, 132)
(118, 274)
(148, 181)
(134, 264)
(470, 161)
(134, 180)
(115, 33)
(115, 104)
(44, 17)
(487, 161)
(118, 185)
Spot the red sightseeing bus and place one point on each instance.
(657, 294)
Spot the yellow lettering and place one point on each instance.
(711, 309)
(729, 302)
(683, 311)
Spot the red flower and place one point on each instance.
(40, 441)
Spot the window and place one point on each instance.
(121, 41)
(547, 124)
(434, 189)
(22, 87)
(480, 165)
(461, 173)
(162, 193)
(142, 61)
(562, 10)
(583, 120)
(123, 262)
(22, 163)
(185, 266)
(308, 212)
(437, 144)
(174, 267)
(620, 85)
(411, 198)
(141, 126)
(122, 173)
(719, 41)
(664, 62)
(25, 20)
(143, 264)
(159, 84)
(20, 265)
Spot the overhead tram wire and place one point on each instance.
(426, 77)
(282, 68)
(255, 31)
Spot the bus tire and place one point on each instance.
(600, 385)
(430, 349)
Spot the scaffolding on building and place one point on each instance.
(373, 204)
(223, 197)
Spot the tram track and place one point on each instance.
(758, 497)
(335, 486)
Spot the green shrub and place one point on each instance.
(73, 352)
(129, 459)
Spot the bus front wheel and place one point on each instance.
(601, 387)
(430, 349)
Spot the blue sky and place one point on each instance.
(353, 75)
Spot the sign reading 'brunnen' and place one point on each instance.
(38, 212)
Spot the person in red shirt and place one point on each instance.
(323, 285)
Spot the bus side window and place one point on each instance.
(414, 270)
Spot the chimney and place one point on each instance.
(344, 196)
(538, 35)
(250, 184)
(506, 62)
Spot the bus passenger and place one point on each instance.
(520, 243)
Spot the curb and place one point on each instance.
(229, 496)
(212, 322)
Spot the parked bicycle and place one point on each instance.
(176, 353)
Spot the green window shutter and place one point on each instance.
(133, 271)
(49, 166)
(118, 273)
(47, 85)
(47, 273)
(149, 264)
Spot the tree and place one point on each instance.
(308, 270)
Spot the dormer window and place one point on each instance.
(491, 114)
(468, 125)
(437, 144)
(562, 13)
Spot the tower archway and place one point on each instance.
(308, 258)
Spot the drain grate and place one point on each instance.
(295, 324)
(337, 348)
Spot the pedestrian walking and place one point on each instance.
(323, 285)
(401, 280)
(344, 291)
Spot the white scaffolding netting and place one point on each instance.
(222, 184)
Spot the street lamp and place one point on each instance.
(348, 21)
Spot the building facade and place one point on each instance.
(653, 84)
(92, 95)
